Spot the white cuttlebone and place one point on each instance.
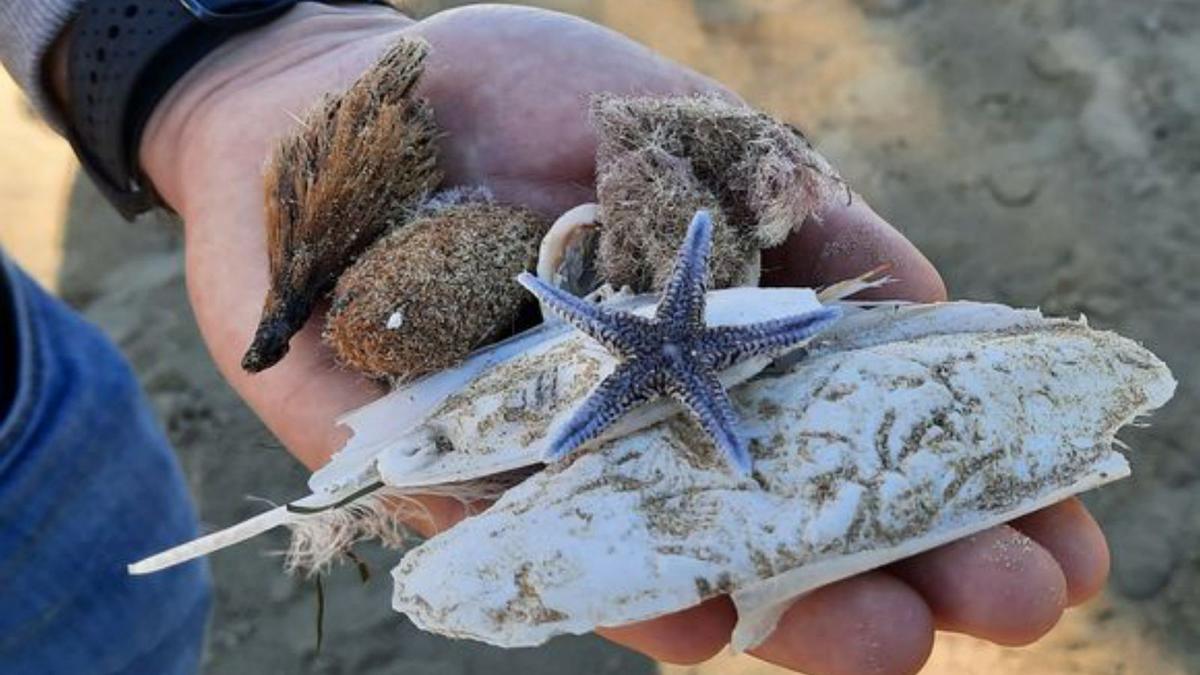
(395, 439)
(383, 424)
(903, 428)
(493, 409)
(896, 322)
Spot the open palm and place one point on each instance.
(510, 88)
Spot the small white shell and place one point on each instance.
(560, 237)
(904, 428)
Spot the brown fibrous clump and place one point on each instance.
(660, 159)
(428, 294)
(649, 196)
(358, 165)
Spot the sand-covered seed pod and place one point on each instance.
(359, 164)
(426, 295)
(647, 196)
(766, 175)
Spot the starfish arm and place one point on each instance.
(624, 389)
(682, 303)
(725, 346)
(705, 398)
(618, 332)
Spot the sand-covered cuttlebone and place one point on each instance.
(453, 432)
(487, 415)
(903, 428)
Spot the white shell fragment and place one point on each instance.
(901, 429)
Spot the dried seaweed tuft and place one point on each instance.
(660, 157)
(359, 164)
(647, 198)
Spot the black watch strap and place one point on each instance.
(124, 55)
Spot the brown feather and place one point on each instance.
(359, 164)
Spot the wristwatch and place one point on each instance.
(123, 57)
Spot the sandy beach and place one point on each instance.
(1041, 152)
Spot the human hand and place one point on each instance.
(510, 89)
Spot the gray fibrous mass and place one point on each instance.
(659, 160)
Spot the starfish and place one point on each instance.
(674, 354)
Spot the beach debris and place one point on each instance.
(897, 428)
(358, 165)
(651, 186)
(901, 428)
(362, 168)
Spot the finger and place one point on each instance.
(691, 636)
(428, 515)
(1075, 540)
(845, 242)
(872, 623)
(998, 585)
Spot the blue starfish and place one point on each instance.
(674, 354)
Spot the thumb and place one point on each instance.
(850, 239)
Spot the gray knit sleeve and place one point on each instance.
(27, 28)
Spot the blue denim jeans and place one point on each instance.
(88, 483)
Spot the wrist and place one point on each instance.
(205, 115)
